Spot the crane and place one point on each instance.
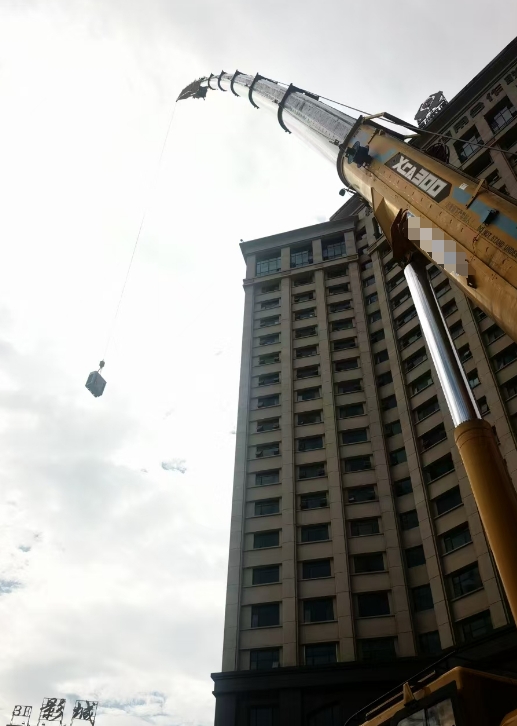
(429, 211)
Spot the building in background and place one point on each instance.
(356, 550)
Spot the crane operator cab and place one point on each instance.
(96, 383)
(460, 697)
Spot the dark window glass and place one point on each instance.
(269, 358)
(315, 533)
(344, 324)
(413, 361)
(505, 357)
(336, 272)
(268, 304)
(316, 611)
(370, 299)
(350, 386)
(381, 356)
(501, 115)
(363, 527)
(304, 297)
(384, 378)
(354, 436)
(310, 443)
(358, 463)
(346, 365)
(271, 320)
(392, 284)
(266, 401)
(264, 450)
(373, 562)
(402, 486)
(429, 643)
(473, 378)
(305, 314)
(408, 315)
(267, 506)
(264, 659)
(475, 627)
(353, 409)
(411, 337)
(449, 308)
(447, 501)
(456, 330)
(307, 351)
(339, 289)
(344, 344)
(433, 271)
(267, 477)
(266, 539)
(466, 580)
(510, 388)
(392, 429)
(303, 280)
(409, 520)
(415, 556)
(420, 383)
(310, 471)
(320, 654)
(376, 649)
(388, 402)
(269, 339)
(369, 281)
(377, 336)
(262, 716)
(313, 501)
(468, 145)
(427, 408)
(375, 316)
(480, 314)
(307, 394)
(400, 298)
(372, 604)
(265, 575)
(306, 332)
(310, 417)
(265, 615)
(483, 406)
(366, 265)
(268, 379)
(433, 437)
(301, 257)
(464, 353)
(270, 287)
(398, 456)
(270, 424)
(307, 372)
(438, 468)
(422, 598)
(268, 267)
(340, 306)
(361, 494)
(313, 569)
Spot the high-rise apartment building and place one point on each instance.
(356, 549)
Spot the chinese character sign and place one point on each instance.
(430, 108)
(21, 715)
(84, 711)
(51, 711)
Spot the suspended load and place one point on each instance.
(96, 383)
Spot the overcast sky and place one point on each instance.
(115, 512)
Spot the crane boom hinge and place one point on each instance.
(291, 89)
(258, 77)
(237, 73)
(219, 82)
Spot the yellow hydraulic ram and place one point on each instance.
(428, 210)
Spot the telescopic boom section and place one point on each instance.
(429, 211)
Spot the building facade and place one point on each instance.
(356, 549)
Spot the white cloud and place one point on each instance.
(175, 465)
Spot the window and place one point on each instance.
(308, 394)
(359, 235)
(493, 177)
(510, 388)
(268, 424)
(415, 556)
(314, 569)
(402, 486)
(336, 272)
(271, 320)
(427, 409)
(261, 660)
(449, 308)
(315, 533)
(268, 266)
(263, 616)
(400, 298)
(369, 281)
(390, 265)
(473, 378)
(456, 538)
(447, 501)
(408, 520)
(346, 365)
(345, 324)
(405, 317)
(268, 379)
(377, 336)
(429, 643)
(307, 351)
(317, 611)
(373, 604)
(309, 417)
(420, 383)
(307, 372)
(357, 463)
(376, 229)
(303, 280)
(311, 471)
(475, 627)
(388, 402)
(301, 257)
(361, 494)
(381, 356)
(422, 598)
(350, 386)
(433, 271)
(340, 306)
(396, 280)
(353, 409)
(464, 353)
(442, 289)
(372, 298)
(264, 450)
(480, 314)
(468, 145)
(371, 562)
(262, 716)
(304, 297)
(304, 314)
(464, 581)
(266, 539)
(268, 358)
(493, 333)
(438, 468)
(344, 344)
(266, 575)
(313, 501)
(366, 265)
(334, 247)
(267, 401)
(364, 527)
(384, 378)
(433, 437)
(483, 405)
(398, 456)
(375, 316)
(268, 304)
(263, 478)
(310, 443)
(306, 332)
(267, 506)
(392, 429)
(354, 436)
(501, 115)
(339, 289)
(269, 339)
(320, 654)
(411, 337)
(270, 287)
(376, 649)
(456, 330)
